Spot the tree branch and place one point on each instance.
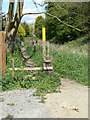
(56, 18)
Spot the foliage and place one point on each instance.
(66, 64)
(26, 28)
(75, 14)
(39, 23)
(9, 81)
(31, 28)
(21, 32)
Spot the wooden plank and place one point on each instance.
(49, 64)
(47, 61)
(48, 68)
(32, 69)
(28, 68)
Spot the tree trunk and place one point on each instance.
(12, 24)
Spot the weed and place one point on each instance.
(9, 116)
(11, 104)
(29, 100)
(1, 99)
(42, 99)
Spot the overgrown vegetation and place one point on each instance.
(41, 81)
(79, 46)
(66, 64)
(9, 81)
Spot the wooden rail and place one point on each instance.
(32, 69)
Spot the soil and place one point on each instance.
(71, 102)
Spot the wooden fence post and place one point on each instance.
(13, 66)
(2, 53)
(48, 49)
(44, 44)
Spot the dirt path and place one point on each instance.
(72, 102)
(25, 57)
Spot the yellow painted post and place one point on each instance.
(44, 44)
(44, 34)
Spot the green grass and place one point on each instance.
(42, 82)
(66, 64)
(9, 81)
(72, 66)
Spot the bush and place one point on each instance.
(21, 32)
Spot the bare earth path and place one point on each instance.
(72, 102)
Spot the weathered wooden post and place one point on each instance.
(13, 66)
(48, 49)
(44, 45)
(2, 53)
(47, 60)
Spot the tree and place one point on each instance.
(21, 32)
(26, 28)
(31, 28)
(73, 21)
(13, 22)
(39, 23)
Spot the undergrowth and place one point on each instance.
(66, 64)
(42, 82)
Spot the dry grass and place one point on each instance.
(79, 46)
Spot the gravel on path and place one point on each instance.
(71, 102)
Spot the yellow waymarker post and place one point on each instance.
(43, 34)
(44, 44)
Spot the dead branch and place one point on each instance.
(56, 18)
